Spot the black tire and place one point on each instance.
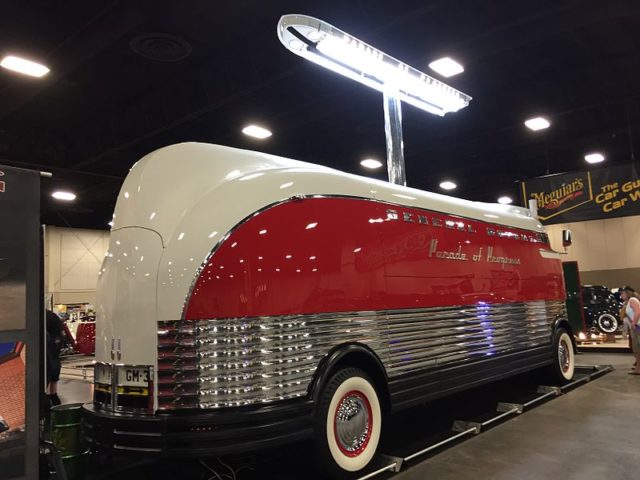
(607, 323)
(562, 369)
(348, 422)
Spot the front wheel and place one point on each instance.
(348, 422)
(564, 358)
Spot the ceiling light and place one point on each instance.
(370, 163)
(447, 67)
(24, 66)
(505, 200)
(448, 185)
(66, 196)
(595, 157)
(256, 131)
(537, 123)
(349, 56)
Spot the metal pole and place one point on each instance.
(393, 133)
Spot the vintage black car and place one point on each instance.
(601, 309)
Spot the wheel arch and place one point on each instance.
(352, 355)
(562, 322)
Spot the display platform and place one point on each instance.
(415, 435)
(604, 343)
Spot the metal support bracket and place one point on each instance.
(505, 407)
(394, 464)
(549, 389)
(463, 426)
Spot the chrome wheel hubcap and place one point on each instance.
(564, 356)
(353, 423)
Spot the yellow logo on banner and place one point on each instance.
(566, 197)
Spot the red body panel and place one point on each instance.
(338, 254)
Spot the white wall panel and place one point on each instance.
(608, 244)
(72, 260)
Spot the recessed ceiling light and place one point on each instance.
(371, 163)
(537, 123)
(256, 131)
(22, 65)
(448, 185)
(505, 200)
(447, 67)
(595, 157)
(66, 196)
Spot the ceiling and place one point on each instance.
(128, 77)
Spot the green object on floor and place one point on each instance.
(66, 435)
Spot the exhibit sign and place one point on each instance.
(574, 197)
(20, 322)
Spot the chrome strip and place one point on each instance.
(243, 361)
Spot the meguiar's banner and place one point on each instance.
(574, 197)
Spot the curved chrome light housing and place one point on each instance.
(336, 50)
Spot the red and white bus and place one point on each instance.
(249, 300)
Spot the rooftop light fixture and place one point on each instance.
(256, 132)
(595, 157)
(447, 67)
(24, 66)
(537, 123)
(448, 185)
(64, 196)
(371, 163)
(505, 200)
(330, 47)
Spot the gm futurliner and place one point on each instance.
(248, 301)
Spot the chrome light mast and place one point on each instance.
(336, 50)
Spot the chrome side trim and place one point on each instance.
(243, 361)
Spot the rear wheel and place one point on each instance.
(564, 358)
(348, 422)
(607, 323)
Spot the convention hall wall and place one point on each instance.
(607, 251)
(72, 261)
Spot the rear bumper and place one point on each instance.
(195, 433)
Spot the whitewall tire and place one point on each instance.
(565, 356)
(348, 422)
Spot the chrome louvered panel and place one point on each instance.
(244, 361)
(232, 362)
(424, 339)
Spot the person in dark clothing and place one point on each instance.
(55, 341)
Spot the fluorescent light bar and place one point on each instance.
(65, 196)
(448, 185)
(334, 49)
(256, 131)
(447, 67)
(595, 157)
(505, 200)
(537, 123)
(371, 163)
(22, 65)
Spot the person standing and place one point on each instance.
(632, 312)
(55, 341)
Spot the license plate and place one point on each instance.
(133, 376)
(102, 374)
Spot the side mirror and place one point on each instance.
(566, 238)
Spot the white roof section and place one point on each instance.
(165, 185)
